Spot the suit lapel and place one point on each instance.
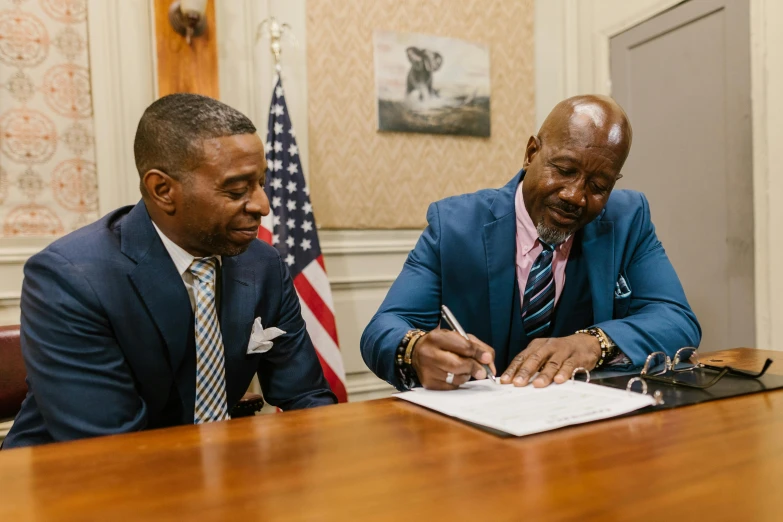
(156, 280)
(575, 307)
(598, 251)
(237, 313)
(500, 250)
(569, 294)
(518, 339)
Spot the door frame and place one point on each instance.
(572, 57)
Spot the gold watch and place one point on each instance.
(608, 347)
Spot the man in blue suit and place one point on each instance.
(143, 319)
(550, 273)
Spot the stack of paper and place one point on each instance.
(528, 410)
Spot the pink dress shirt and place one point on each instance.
(528, 248)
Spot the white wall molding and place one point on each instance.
(347, 242)
(556, 53)
(354, 283)
(10, 299)
(122, 71)
(362, 265)
(15, 256)
(761, 194)
(766, 66)
(365, 386)
(4, 427)
(9, 308)
(19, 255)
(358, 247)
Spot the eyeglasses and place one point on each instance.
(658, 365)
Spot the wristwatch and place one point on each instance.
(608, 348)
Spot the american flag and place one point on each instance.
(290, 228)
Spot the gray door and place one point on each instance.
(684, 79)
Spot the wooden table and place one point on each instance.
(390, 460)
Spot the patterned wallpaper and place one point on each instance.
(361, 178)
(48, 183)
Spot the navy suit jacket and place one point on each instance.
(466, 259)
(107, 334)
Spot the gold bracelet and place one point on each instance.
(412, 344)
(603, 342)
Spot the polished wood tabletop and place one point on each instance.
(391, 460)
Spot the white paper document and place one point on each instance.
(528, 410)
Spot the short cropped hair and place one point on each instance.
(171, 131)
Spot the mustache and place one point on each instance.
(566, 207)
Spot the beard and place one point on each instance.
(221, 246)
(556, 235)
(552, 235)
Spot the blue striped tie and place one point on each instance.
(210, 358)
(539, 302)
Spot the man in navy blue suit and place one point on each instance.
(550, 273)
(160, 314)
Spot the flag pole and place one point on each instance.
(271, 28)
(290, 226)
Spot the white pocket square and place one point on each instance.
(261, 338)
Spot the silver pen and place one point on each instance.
(454, 325)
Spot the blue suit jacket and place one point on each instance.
(107, 334)
(466, 259)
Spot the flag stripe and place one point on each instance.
(264, 235)
(317, 277)
(322, 341)
(316, 305)
(338, 388)
(265, 230)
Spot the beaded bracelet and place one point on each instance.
(402, 359)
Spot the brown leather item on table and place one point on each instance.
(13, 387)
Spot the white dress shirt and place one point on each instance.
(182, 260)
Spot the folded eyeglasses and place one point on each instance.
(659, 367)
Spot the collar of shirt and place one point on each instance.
(182, 259)
(527, 235)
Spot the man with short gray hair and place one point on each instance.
(160, 314)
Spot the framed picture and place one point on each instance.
(431, 84)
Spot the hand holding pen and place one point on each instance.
(454, 325)
(445, 359)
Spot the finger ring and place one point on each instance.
(449, 378)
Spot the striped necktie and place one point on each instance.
(539, 301)
(210, 376)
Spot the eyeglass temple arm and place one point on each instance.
(743, 373)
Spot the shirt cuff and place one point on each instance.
(619, 359)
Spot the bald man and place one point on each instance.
(552, 272)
